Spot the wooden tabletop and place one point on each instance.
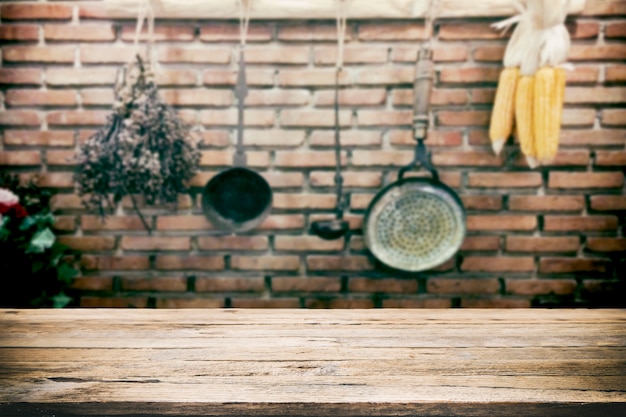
(229, 362)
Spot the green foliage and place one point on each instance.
(37, 269)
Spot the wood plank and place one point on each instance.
(318, 9)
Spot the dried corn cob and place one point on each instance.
(503, 112)
(547, 111)
(524, 117)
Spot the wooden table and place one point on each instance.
(495, 363)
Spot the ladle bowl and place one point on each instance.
(330, 229)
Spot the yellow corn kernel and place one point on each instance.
(544, 113)
(552, 143)
(503, 112)
(524, 114)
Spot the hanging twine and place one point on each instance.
(342, 21)
(146, 13)
(429, 20)
(244, 21)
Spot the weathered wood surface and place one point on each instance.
(495, 363)
(318, 9)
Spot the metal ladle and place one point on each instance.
(336, 228)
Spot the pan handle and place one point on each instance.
(241, 91)
(421, 157)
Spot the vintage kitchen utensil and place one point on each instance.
(415, 224)
(338, 227)
(238, 199)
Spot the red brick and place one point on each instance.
(351, 98)
(310, 32)
(277, 98)
(194, 55)
(306, 284)
(64, 223)
(61, 158)
(183, 222)
(494, 303)
(66, 202)
(197, 97)
(615, 30)
(469, 75)
(307, 244)
(607, 52)
(169, 284)
(285, 55)
(501, 223)
(439, 97)
(615, 117)
(446, 53)
(78, 118)
(228, 32)
(385, 76)
(381, 158)
(481, 243)
(189, 303)
(282, 222)
(505, 180)
(464, 118)
(126, 263)
(482, 95)
(608, 202)
(284, 179)
(311, 78)
(611, 158)
(467, 158)
(592, 138)
(462, 286)
(180, 78)
(310, 159)
(482, 202)
(489, 53)
(313, 118)
(110, 223)
(579, 223)
(20, 158)
(391, 32)
(417, 303)
(260, 303)
(351, 179)
(113, 302)
(30, 11)
(161, 33)
(564, 158)
(604, 7)
(542, 244)
(595, 95)
(360, 201)
(230, 284)
(295, 201)
(339, 303)
(615, 73)
(93, 10)
(19, 118)
(215, 138)
(258, 263)
(540, 286)
(30, 98)
(578, 117)
(339, 263)
(249, 243)
(24, 76)
(606, 244)
(455, 31)
(435, 138)
(583, 75)
(172, 262)
(383, 285)
(50, 179)
(353, 138)
(580, 180)
(254, 77)
(497, 264)
(23, 33)
(546, 203)
(93, 283)
(274, 138)
(479, 138)
(258, 118)
(88, 243)
(97, 97)
(368, 118)
(584, 29)
(353, 55)
(79, 33)
(39, 54)
(62, 77)
(225, 158)
(572, 265)
(107, 54)
(155, 243)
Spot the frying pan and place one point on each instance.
(415, 224)
(237, 199)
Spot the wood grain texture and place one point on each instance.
(318, 9)
(303, 363)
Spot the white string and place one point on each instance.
(342, 22)
(431, 15)
(244, 21)
(146, 12)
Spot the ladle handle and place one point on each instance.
(422, 88)
(241, 91)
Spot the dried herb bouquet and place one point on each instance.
(144, 149)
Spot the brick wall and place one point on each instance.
(545, 237)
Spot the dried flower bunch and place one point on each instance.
(143, 149)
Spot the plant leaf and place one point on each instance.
(66, 273)
(27, 223)
(41, 241)
(60, 300)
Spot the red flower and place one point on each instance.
(20, 211)
(5, 207)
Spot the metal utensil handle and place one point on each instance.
(241, 91)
